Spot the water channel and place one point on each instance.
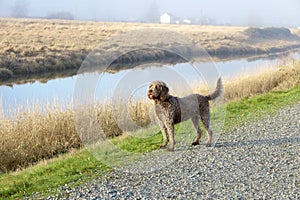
(59, 92)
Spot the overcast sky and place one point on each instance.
(236, 12)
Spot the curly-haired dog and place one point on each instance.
(171, 110)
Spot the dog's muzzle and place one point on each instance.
(150, 94)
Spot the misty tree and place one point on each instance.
(60, 15)
(20, 9)
(254, 19)
(153, 14)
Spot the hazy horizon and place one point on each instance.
(235, 12)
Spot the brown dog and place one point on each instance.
(171, 110)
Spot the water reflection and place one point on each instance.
(60, 91)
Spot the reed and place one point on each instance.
(280, 78)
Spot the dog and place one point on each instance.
(171, 110)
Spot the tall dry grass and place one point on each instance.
(39, 134)
(281, 78)
(32, 135)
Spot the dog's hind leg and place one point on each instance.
(205, 118)
(206, 123)
(196, 123)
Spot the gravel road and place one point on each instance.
(256, 161)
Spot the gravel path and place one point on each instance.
(257, 161)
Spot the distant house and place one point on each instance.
(187, 21)
(167, 18)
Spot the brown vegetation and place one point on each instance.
(280, 78)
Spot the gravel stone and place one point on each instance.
(258, 160)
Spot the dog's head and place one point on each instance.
(158, 91)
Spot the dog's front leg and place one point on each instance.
(170, 129)
(165, 136)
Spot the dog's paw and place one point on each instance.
(195, 143)
(170, 149)
(163, 146)
(208, 145)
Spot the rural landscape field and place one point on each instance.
(41, 151)
(48, 48)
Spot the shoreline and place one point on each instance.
(46, 76)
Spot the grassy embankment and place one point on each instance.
(25, 140)
(33, 49)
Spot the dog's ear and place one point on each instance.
(164, 93)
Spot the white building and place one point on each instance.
(166, 18)
(187, 21)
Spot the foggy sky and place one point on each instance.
(235, 12)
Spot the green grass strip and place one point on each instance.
(73, 167)
(254, 108)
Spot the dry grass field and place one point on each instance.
(33, 46)
(40, 134)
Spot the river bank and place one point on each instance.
(35, 48)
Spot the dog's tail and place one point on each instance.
(218, 91)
